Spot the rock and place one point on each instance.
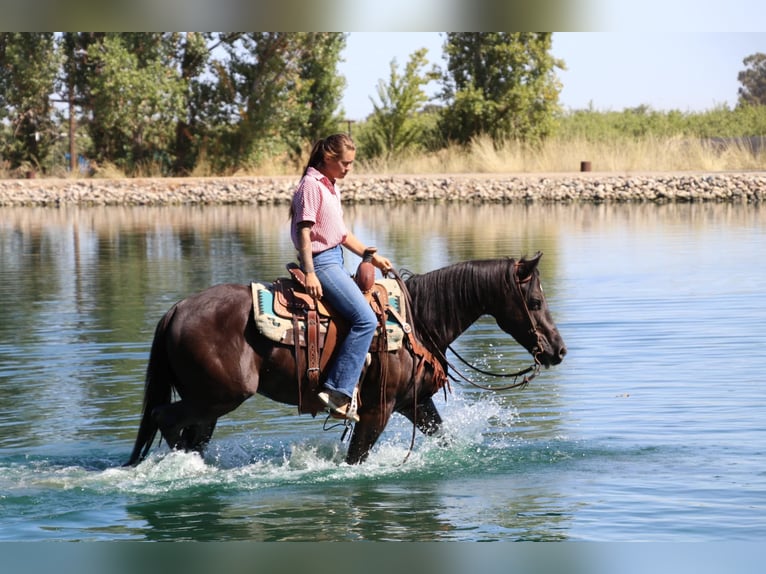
(482, 188)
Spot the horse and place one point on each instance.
(208, 353)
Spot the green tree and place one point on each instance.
(205, 128)
(136, 97)
(75, 91)
(322, 85)
(235, 99)
(188, 53)
(274, 93)
(753, 80)
(259, 86)
(500, 84)
(192, 52)
(29, 64)
(393, 127)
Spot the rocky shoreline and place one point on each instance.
(740, 187)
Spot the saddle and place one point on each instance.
(314, 328)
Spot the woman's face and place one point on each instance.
(337, 168)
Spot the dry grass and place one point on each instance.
(627, 155)
(107, 170)
(555, 156)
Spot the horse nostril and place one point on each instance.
(562, 352)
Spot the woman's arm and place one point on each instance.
(353, 244)
(313, 286)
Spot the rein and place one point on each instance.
(534, 369)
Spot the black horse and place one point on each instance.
(208, 351)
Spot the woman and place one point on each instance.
(318, 232)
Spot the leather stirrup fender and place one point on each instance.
(312, 348)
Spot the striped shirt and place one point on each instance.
(318, 201)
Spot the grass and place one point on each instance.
(557, 155)
(647, 153)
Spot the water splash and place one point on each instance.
(473, 429)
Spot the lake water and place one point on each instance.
(652, 429)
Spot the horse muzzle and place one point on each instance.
(548, 357)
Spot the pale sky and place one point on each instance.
(686, 71)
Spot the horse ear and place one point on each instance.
(527, 266)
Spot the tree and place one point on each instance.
(322, 86)
(500, 84)
(137, 97)
(393, 126)
(753, 80)
(192, 51)
(29, 63)
(257, 93)
(276, 93)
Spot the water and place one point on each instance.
(650, 430)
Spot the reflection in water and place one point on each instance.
(420, 236)
(204, 516)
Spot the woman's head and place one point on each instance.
(333, 156)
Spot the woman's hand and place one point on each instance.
(313, 286)
(382, 263)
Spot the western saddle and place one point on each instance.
(293, 302)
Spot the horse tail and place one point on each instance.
(158, 390)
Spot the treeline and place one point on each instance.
(166, 99)
(743, 121)
(238, 101)
(222, 103)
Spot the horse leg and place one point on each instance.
(424, 416)
(169, 419)
(185, 426)
(366, 433)
(427, 420)
(196, 437)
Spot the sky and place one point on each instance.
(610, 71)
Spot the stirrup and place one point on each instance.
(353, 405)
(346, 411)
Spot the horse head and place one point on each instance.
(523, 313)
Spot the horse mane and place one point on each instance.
(441, 297)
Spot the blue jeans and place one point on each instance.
(344, 296)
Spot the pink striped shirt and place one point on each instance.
(318, 201)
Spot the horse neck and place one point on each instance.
(448, 301)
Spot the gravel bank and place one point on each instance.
(484, 188)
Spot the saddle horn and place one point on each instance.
(365, 272)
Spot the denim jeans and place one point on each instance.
(344, 296)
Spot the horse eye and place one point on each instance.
(535, 305)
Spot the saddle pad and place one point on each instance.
(275, 328)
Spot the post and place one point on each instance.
(72, 150)
(349, 122)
